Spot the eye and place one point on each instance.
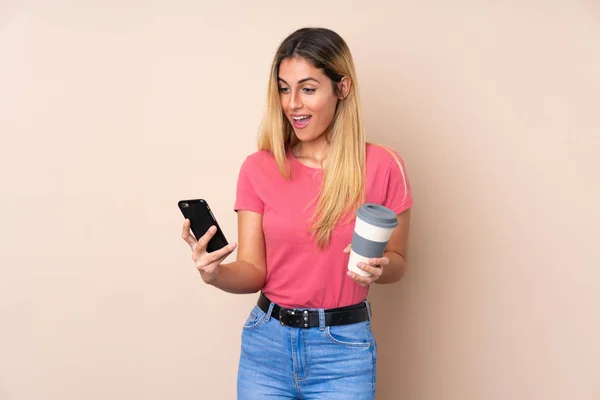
(283, 89)
(309, 90)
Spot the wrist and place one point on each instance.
(209, 277)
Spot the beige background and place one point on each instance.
(111, 111)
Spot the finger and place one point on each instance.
(219, 255)
(373, 270)
(186, 234)
(215, 257)
(364, 281)
(204, 239)
(347, 249)
(379, 261)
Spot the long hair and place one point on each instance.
(343, 188)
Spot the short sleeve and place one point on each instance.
(397, 195)
(246, 197)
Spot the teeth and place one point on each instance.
(301, 118)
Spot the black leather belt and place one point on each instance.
(299, 318)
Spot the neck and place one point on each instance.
(314, 150)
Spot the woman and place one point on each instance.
(309, 336)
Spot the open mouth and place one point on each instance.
(301, 121)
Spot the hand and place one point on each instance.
(206, 263)
(374, 267)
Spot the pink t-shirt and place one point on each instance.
(299, 273)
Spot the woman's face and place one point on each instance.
(307, 98)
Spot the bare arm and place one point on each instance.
(245, 275)
(395, 251)
(248, 272)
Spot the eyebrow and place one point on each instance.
(300, 81)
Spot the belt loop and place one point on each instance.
(368, 308)
(268, 316)
(321, 319)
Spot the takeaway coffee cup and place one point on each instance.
(372, 230)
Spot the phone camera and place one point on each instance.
(185, 205)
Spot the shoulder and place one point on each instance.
(381, 156)
(258, 160)
(261, 156)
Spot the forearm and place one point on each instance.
(237, 277)
(395, 270)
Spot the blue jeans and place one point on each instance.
(281, 362)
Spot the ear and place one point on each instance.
(343, 87)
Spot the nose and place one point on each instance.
(295, 101)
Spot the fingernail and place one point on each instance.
(360, 265)
(232, 246)
(349, 274)
(213, 229)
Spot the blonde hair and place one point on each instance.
(343, 188)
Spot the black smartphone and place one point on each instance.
(202, 218)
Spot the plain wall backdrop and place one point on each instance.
(112, 111)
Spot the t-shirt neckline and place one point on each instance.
(301, 164)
